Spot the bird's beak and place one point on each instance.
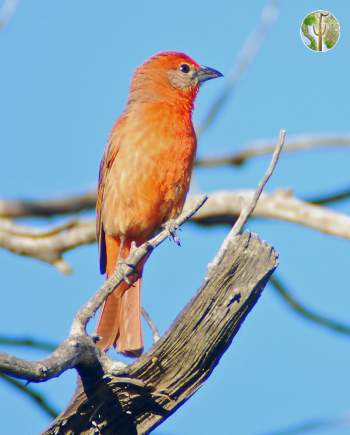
(205, 73)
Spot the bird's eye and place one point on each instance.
(184, 68)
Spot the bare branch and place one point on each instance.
(66, 355)
(27, 342)
(14, 229)
(250, 206)
(313, 425)
(63, 358)
(184, 358)
(244, 59)
(7, 11)
(248, 210)
(234, 280)
(48, 207)
(265, 147)
(47, 245)
(331, 198)
(127, 269)
(157, 381)
(305, 312)
(221, 207)
(151, 324)
(39, 399)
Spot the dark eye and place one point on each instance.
(184, 68)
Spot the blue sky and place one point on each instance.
(65, 71)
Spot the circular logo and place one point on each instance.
(320, 31)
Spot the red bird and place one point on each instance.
(144, 178)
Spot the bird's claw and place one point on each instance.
(124, 270)
(96, 338)
(171, 227)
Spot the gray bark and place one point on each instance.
(144, 394)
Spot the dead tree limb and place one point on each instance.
(184, 358)
(50, 246)
(79, 350)
(265, 147)
(135, 399)
(48, 207)
(221, 208)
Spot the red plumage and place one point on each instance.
(144, 178)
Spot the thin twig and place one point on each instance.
(7, 11)
(126, 269)
(265, 147)
(37, 397)
(331, 198)
(151, 324)
(27, 342)
(244, 59)
(305, 312)
(315, 425)
(249, 209)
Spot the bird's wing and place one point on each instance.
(108, 158)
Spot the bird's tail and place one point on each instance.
(119, 324)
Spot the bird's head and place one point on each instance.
(169, 76)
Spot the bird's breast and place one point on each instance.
(150, 177)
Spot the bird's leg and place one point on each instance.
(124, 265)
(171, 227)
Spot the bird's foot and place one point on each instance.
(171, 227)
(125, 271)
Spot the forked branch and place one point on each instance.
(135, 399)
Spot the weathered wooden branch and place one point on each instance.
(223, 207)
(135, 399)
(79, 350)
(47, 245)
(164, 378)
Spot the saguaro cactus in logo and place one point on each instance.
(320, 31)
